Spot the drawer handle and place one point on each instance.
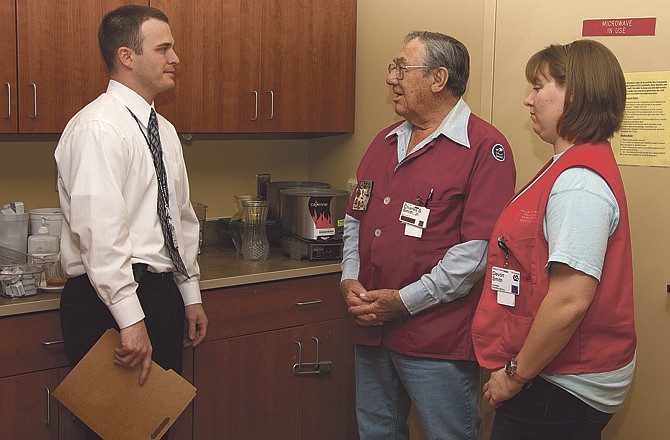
(49, 343)
(308, 303)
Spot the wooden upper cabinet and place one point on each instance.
(217, 42)
(249, 66)
(60, 68)
(309, 65)
(8, 107)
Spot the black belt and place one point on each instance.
(140, 272)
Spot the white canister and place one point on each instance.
(54, 218)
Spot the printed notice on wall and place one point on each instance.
(644, 138)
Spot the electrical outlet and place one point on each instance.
(261, 185)
(351, 184)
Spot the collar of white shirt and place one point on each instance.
(135, 103)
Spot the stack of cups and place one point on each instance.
(14, 232)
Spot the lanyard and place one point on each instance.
(159, 166)
(139, 124)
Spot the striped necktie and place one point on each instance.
(163, 194)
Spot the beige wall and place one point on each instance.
(217, 169)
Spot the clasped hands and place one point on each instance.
(373, 307)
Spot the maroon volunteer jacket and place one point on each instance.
(605, 340)
(470, 188)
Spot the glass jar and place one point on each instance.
(255, 244)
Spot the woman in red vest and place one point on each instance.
(556, 314)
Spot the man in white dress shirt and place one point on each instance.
(113, 250)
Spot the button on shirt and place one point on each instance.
(108, 193)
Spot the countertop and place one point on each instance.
(219, 267)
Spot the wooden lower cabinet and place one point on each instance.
(328, 403)
(33, 364)
(69, 427)
(277, 363)
(26, 409)
(292, 381)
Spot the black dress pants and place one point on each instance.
(85, 318)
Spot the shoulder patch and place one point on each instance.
(498, 152)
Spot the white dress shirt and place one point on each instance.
(108, 194)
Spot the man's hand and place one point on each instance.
(135, 348)
(352, 291)
(196, 325)
(378, 306)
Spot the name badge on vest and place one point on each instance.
(363, 194)
(506, 283)
(415, 219)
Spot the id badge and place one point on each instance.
(415, 219)
(506, 283)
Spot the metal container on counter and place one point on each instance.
(314, 213)
(273, 193)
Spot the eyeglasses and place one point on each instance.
(400, 69)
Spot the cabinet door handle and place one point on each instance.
(49, 343)
(272, 105)
(47, 421)
(318, 367)
(9, 101)
(316, 363)
(34, 86)
(255, 117)
(308, 303)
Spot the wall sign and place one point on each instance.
(644, 138)
(618, 27)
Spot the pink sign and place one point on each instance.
(618, 27)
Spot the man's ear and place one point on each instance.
(125, 56)
(440, 78)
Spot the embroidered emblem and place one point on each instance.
(498, 152)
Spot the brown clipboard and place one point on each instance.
(110, 400)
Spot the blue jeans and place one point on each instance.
(443, 393)
(548, 412)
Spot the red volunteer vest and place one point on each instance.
(470, 188)
(605, 340)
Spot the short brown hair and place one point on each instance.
(595, 88)
(121, 27)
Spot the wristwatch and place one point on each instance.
(510, 370)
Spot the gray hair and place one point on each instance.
(445, 51)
